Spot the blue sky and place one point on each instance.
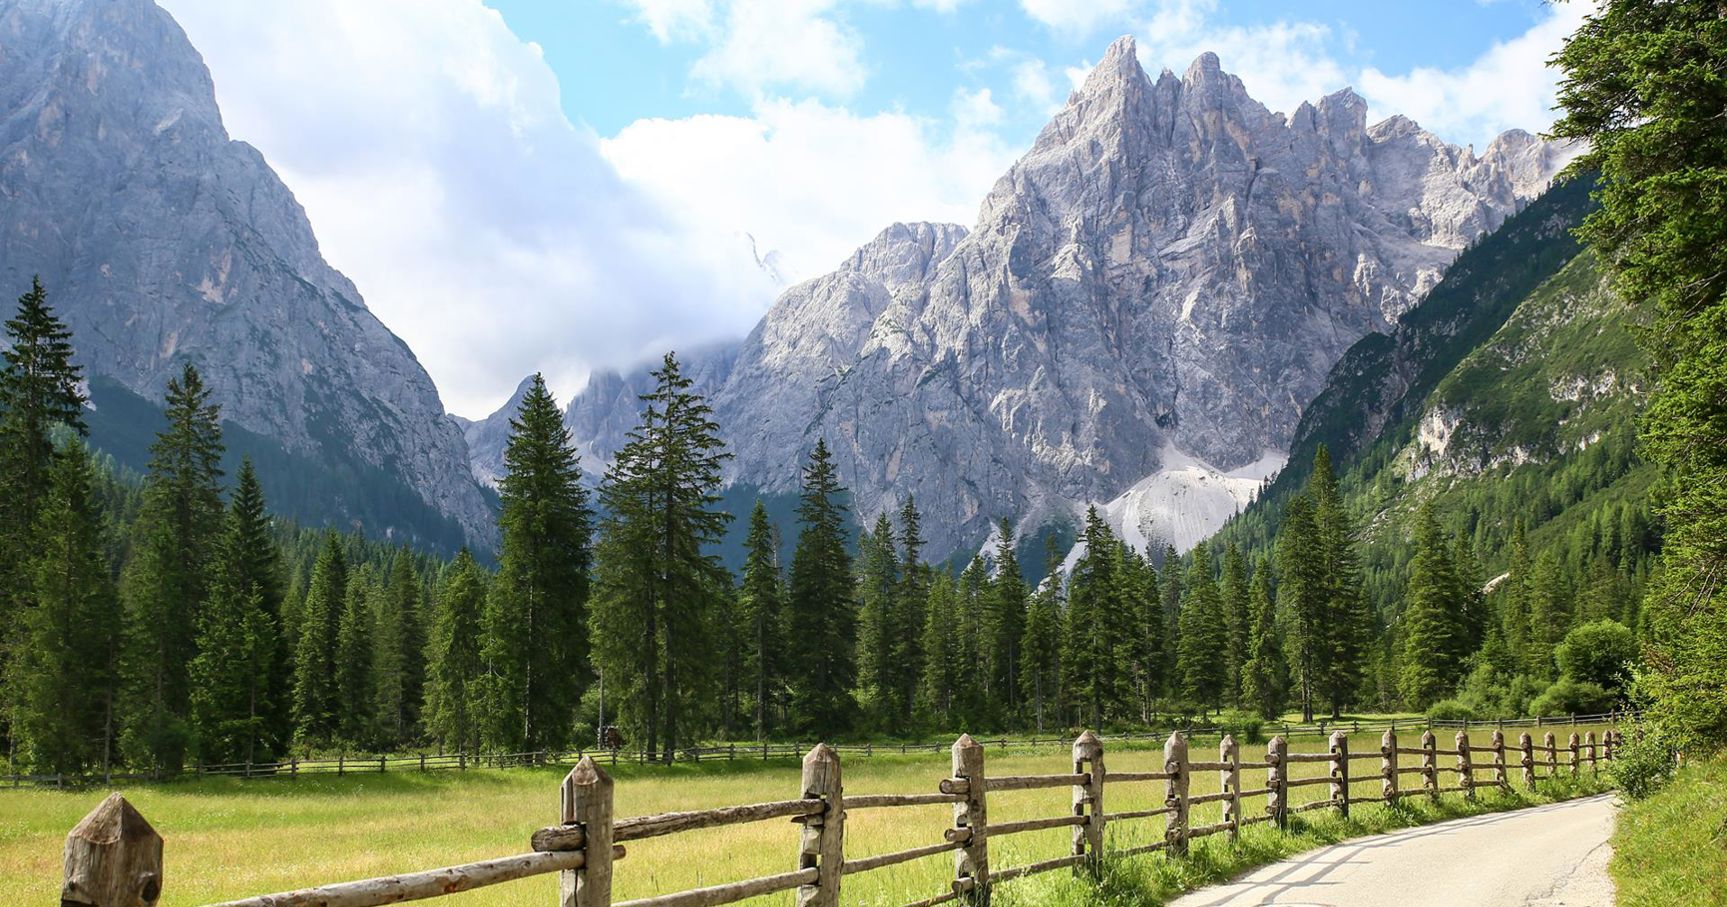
(566, 185)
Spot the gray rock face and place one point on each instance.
(1166, 277)
(162, 241)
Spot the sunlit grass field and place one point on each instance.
(229, 838)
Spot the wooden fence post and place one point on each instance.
(1430, 763)
(1575, 764)
(1228, 751)
(971, 862)
(1088, 800)
(113, 859)
(1607, 743)
(823, 840)
(1465, 769)
(1594, 765)
(1551, 745)
(1340, 772)
(1500, 776)
(587, 801)
(1175, 763)
(1388, 765)
(1526, 744)
(1276, 778)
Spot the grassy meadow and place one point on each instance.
(228, 838)
(1672, 847)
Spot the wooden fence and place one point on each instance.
(114, 858)
(360, 764)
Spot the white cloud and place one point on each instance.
(811, 180)
(1077, 18)
(430, 151)
(784, 44)
(671, 20)
(975, 110)
(1281, 63)
(1031, 84)
(1508, 86)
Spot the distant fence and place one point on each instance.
(114, 858)
(361, 764)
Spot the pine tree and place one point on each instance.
(941, 653)
(1202, 661)
(912, 596)
(1169, 590)
(453, 656)
(1007, 607)
(823, 611)
(1432, 619)
(761, 603)
(1515, 592)
(658, 587)
(407, 594)
(1549, 615)
(239, 682)
(1346, 623)
(356, 718)
(390, 660)
(1089, 657)
(533, 627)
(1040, 651)
(878, 587)
(1237, 620)
(971, 697)
(62, 681)
(1265, 675)
(316, 700)
(1302, 597)
(168, 576)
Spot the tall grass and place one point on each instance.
(1672, 847)
(229, 838)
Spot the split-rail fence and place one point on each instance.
(115, 859)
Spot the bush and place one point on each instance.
(1450, 710)
(1597, 652)
(1643, 763)
(1246, 726)
(1574, 697)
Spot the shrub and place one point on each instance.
(1643, 762)
(1450, 710)
(1597, 652)
(1246, 726)
(1573, 697)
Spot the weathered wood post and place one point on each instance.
(1526, 744)
(587, 801)
(1551, 745)
(1228, 751)
(1340, 772)
(1430, 763)
(823, 840)
(1607, 744)
(1594, 766)
(1276, 778)
(1465, 770)
(1500, 775)
(1388, 765)
(1575, 746)
(971, 862)
(1088, 800)
(113, 859)
(1175, 764)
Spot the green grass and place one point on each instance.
(228, 838)
(1672, 847)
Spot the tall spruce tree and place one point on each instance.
(534, 625)
(62, 680)
(912, 596)
(1007, 606)
(317, 703)
(878, 595)
(1169, 591)
(1346, 625)
(761, 603)
(167, 577)
(1040, 651)
(453, 656)
(1237, 620)
(1265, 675)
(821, 602)
(1302, 598)
(1432, 619)
(941, 653)
(356, 679)
(1090, 657)
(659, 588)
(1204, 636)
(240, 692)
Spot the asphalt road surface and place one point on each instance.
(1545, 856)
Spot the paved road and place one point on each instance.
(1544, 856)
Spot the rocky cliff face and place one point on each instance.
(1147, 302)
(162, 241)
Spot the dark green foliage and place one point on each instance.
(1005, 625)
(659, 588)
(761, 606)
(1433, 622)
(534, 647)
(356, 719)
(1093, 659)
(167, 577)
(317, 703)
(941, 668)
(913, 595)
(239, 678)
(1574, 697)
(823, 617)
(1645, 89)
(878, 594)
(1301, 599)
(453, 656)
(63, 678)
(1601, 652)
(1265, 674)
(1237, 621)
(1040, 650)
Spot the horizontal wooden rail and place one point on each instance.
(865, 864)
(415, 886)
(1014, 828)
(1129, 777)
(569, 837)
(1307, 757)
(1035, 868)
(872, 801)
(1137, 814)
(714, 895)
(1036, 782)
